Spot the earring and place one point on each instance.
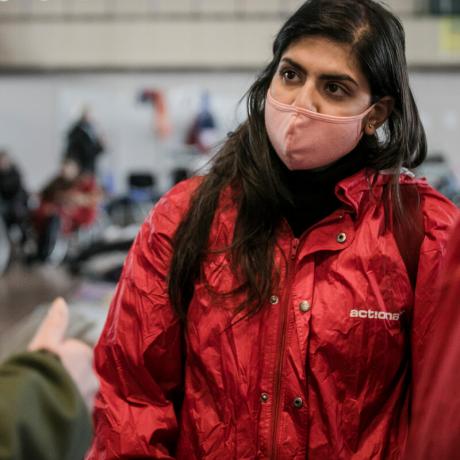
(371, 125)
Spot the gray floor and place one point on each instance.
(23, 288)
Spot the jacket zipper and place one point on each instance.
(280, 358)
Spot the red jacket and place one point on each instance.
(322, 372)
(435, 431)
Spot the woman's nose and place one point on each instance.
(307, 98)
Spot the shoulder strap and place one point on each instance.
(409, 230)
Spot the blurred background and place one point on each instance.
(105, 104)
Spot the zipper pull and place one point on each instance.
(294, 247)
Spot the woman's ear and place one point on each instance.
(378, 115)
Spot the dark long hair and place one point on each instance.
(246, 162)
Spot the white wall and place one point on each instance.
(438, 97)
(36, 110)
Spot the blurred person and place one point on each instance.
(202, 133)
(68, 202)
(435, 430)
(279, 306)
(46, 395)
(84, 145)
(13, 195)
(161, 123)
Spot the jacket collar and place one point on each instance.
(353, 189)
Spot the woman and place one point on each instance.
(265, 310)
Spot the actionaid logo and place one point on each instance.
(372, 314)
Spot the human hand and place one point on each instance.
(76, 356)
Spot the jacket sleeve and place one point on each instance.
(42, 414)
(439, 217)
(139, 355)
(435, 428)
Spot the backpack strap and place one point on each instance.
(409, 230)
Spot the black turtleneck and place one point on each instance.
(311, 193)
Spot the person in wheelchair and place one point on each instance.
(67, 203)
(13, 196)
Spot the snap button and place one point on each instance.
(341, 237)
(274, 299)
(264, 397)
(298, 402)
(304, 306)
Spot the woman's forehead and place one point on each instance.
(321, 54)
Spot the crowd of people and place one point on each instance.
(297, 301)
(73, 199)
(68, 202)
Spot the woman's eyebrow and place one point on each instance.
(293, 64)
(338, 77)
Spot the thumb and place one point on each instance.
(52, 329)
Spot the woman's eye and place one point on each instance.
(335, 89)
(289, 75)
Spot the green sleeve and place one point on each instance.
(42, 414)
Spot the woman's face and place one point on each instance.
(70, 170)
(323, 76)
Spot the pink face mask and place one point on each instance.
(308, 140)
